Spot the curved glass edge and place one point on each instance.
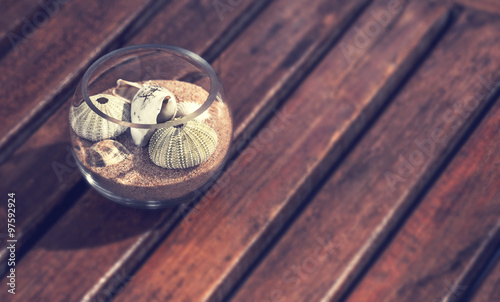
(214, 93)
(147, 205)
(150, 204)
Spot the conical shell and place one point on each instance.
(168, 110)
(106, 153)
(126, 89)
(186, 108)
(150, 102)
(184, 146)
(89, 125)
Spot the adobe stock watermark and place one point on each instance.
(39, 19)
(425, 147)
(372, 29)
(67, 167)
(302, 270)
(223, 7)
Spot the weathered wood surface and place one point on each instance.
(357, 208)
(491, 6)
(42, 172)
(455, 230)
(62, 264)
(489, 290)
(276, 54)
(18, 18)
(37, 77)
(199, 26)
(207, 252)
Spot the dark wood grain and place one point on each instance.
(17, 19)
(357, 208)
(489, 290)
(491, 6)
(42, 172)
(37, 77)
(14, 12)
(206, 253)
(118, 257)
(199, 26)
(453, 232)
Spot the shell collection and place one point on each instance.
(89, 125)
(177, 147)
(106, 153)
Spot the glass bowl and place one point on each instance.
(150, 126)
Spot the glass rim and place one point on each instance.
(215, 85)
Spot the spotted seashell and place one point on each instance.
(150, 102)
(106, 153)
(183, 146)
(186, 108)
(89, 125)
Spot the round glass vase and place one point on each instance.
(150, 126)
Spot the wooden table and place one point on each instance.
(365, 164)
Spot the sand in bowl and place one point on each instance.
(138, 178)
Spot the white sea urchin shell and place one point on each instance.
(183, 146)
(89, 125)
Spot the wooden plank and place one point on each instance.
(220, 25)
(206, 253)
(120, 256)
(439, 251)
(491, 6)
(45, 159)
(332, 241)
(39, 76)
(489, 290)
(13, 13)
(17, 17)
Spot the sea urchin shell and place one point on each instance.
(89, 125)
(183, 146)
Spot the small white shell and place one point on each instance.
(145, 108)
(89, 125)
(184, 146)
(168, 110)
(106, 153)
(186, 108)
(126, 89)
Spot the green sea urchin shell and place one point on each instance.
(89, 125)
(182, 147)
